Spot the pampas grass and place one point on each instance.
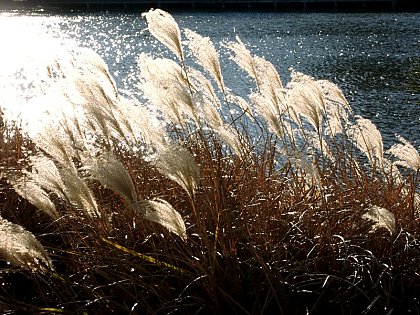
(193, 199)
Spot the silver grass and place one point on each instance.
(270, 83)
(91, 81)
(21, 248)
(391, 169)
(368, 139)
(78, 193)
(243, 58)
(302, 161)
(243, 105)
(90, 62)
(74, 134)
(333, 122)
(65, 182)
(265, 109)
(177, 164)
(165, 29)
(203, 86)
(112, 174)
(142, 123)
(319, 144)
(207, 111)
(160, 71)
(126, 127)
(261, 71)
(333, 94)
(37, 196)
(337, 108)
(161, 212)
(381, 218)
(231, 137)
(57, 144)
(205, 55)
(46, 174)
(277, 120)
(406, 154)
(165, 102)
(165, 86)
(306, 98)
(103, 117)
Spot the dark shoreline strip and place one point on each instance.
(221, 5)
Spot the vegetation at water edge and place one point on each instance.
(187, 198)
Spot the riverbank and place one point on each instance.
(221, 5)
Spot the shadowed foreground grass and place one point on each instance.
(198, 201)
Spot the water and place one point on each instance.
(373, 57)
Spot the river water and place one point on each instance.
(373, 57)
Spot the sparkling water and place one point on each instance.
(373, 57)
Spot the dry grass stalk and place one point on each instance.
(92, 65)
(65, 182)
(203, 86)
(244, 59)
(57, 144)
(286, 215)
(78, 193)
(112, 174)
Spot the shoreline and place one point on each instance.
(339, 6)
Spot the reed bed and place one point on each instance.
(191, 199)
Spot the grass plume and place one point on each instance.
(193, 199)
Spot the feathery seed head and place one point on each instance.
(206, 55)
(406, 154)
(165, 29)
(46, 174)
(306, 99)
(78, 193)
(203, 86)
(243, 58)
(231, 137)
(161, 212)
(112, 174)
(177, 164)
(37, 196)
(368, 139)
(381, 218)
(21, 248)
(166, 87)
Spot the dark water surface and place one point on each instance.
(373, 57)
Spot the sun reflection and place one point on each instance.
(27, 49)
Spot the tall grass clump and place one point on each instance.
(193, 199)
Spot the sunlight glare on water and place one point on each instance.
(25, 54)
(377, 69)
